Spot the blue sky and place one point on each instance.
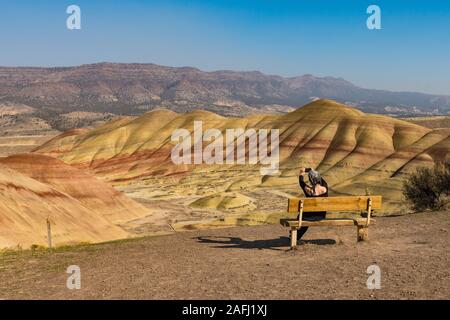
(288, 38)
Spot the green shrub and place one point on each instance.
(428, 188)
(36, 247)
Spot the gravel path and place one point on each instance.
(246, 263)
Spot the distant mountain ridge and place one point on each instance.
(135, 88)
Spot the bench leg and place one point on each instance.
(293, 238)
(363, 233)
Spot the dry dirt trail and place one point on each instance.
(246, 263)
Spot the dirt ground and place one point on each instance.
(246, 263)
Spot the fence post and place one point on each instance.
(49, 234)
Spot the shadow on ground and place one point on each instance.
(281, 243)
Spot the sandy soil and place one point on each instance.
(246, 263)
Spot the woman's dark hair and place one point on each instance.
(314, 177)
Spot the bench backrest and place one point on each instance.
(348, 203)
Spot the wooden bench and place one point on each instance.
(331, 204)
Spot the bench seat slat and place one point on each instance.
(325, 222)
(331, 204)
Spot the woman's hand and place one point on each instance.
(302, 171)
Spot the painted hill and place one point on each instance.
(80, 207)
(354, 151)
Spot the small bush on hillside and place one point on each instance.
(36, 247)
(428, 188)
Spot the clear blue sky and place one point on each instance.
(288, 38)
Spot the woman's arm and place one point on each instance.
(307, 190)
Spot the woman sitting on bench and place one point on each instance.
(318, 188)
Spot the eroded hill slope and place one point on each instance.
(80, 207)
(356, 152)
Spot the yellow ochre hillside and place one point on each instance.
(80, 207)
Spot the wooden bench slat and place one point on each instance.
(325, 222)
(330, 204)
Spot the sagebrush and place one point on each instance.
(428, 188)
